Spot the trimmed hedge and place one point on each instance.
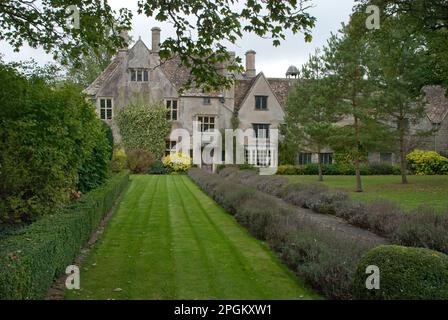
(405, 273)
(34, 257)
(338, 170)
(423, 227)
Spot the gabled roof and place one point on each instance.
(437, 107)
(96, 85)
(280, 88)
(179, 75)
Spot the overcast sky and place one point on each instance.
(273, 61)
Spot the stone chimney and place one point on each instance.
(125, 35)
(155, 39)
(250, 64)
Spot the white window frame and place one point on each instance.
(106, 108)
(172, 107)
(256, 128)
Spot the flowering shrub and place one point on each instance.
(427, 162)
(178, 162)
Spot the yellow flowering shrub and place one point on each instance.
(427, 163)
(178, 162)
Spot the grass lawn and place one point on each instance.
(169, 240)
(421, 190)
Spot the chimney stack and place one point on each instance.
(125, 35)
(250, 64)
(155, 39)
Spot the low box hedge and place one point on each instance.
(34, 257)
(338, 170)
(405, 274)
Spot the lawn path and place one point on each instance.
(169, 240)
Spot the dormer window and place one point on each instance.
(139, 75)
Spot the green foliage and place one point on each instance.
(47, 27)
(50, 139)
(34, 257)
(405, 274)
(95, 167)
(159, 168)
(139, 161)
(339, 169)
(119, 160)
(427, 162)
(178, 162)
(144, 128)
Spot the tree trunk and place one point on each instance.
(357, 161)
(403, 164)
(321, 176)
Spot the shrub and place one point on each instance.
(326, 202)
(423, 228)
(119, 160)
(139, 161)
(405, 273)
(339, 169)
(326, 261)
(178, 162)
(427, 162)
(299, 193)
(50, 139)
(159, 168)
(94, 169)
(144, 128)
(34, 257)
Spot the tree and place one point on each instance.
(202, 27)
(428, 19)
(312, 109)
(144, 128)
(347, 58)
(47, 24)
(399, 77)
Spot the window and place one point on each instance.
(139, 75)
(261, 130)
(207, 100)
(386, 157)
(305, 158)
(145, 75)
(263, 157)
(171, 110)
(106, 109)
(326, 158)
(261, 102)
(206, 122)
(169, 146)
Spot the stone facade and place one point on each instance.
(136, 75)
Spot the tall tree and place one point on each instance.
(347, 59)
(401, 62)
(312, 109)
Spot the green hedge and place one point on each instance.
(339, 170)
(405, 274)
(33, 258)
